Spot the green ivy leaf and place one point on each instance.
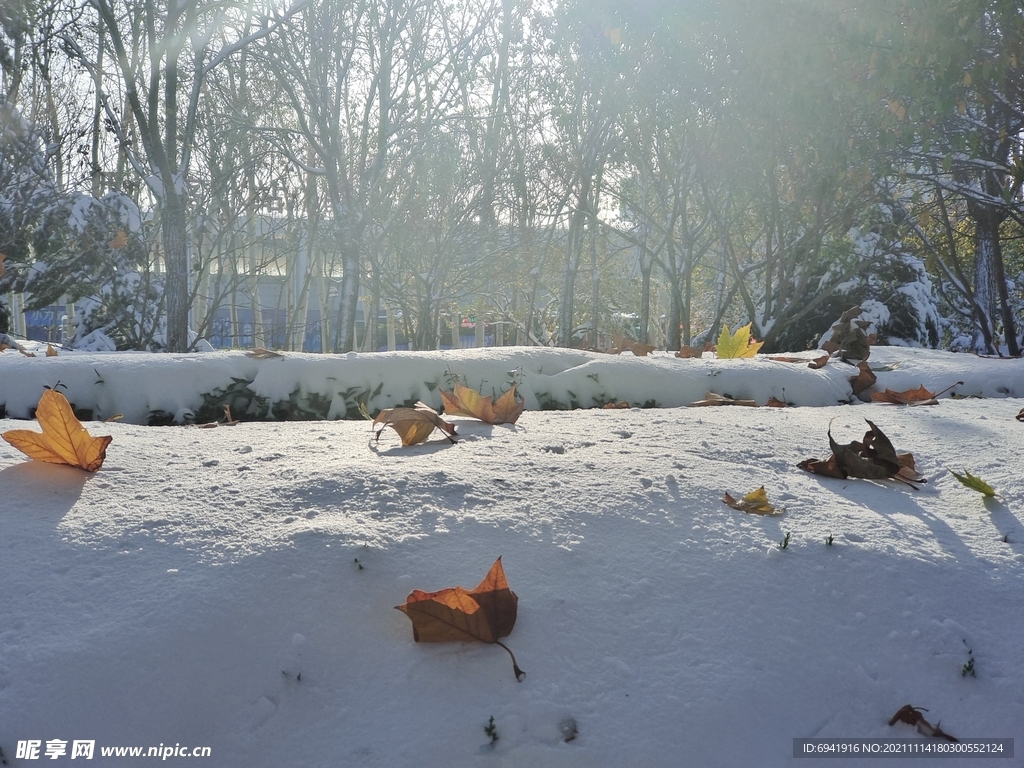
(975, 483)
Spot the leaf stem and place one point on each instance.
(959, 383)
(520, 675)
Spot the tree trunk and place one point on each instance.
(986, 248)
(348, 298)
(173, 228)
(574, 247)
(675, 315)
(645, 301)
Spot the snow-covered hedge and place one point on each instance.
(162, 389)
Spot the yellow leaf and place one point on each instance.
(63, 440)
(474, 404)
(967, 78)
(464, 401)
(737, 345)
(120, 240)
(755, 502)
(50, 351)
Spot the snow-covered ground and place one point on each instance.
(177, 595)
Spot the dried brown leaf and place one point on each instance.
(911, 715)
(464, 401)
(414, 425)
(712, 398)
(863, 380)
(827, 468)
(774, 402)
(688, 352)
(508, 408)
(486, 613)
(919, 396)
(625, 344)
(819, 362)
(873, 459)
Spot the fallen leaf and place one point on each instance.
(873, 459)
(688, 352)
(919, 396)
(486, 614)
(63, 440)
(261, 353)
(739, 344)
(863, 380)
(625, 344)
(415, 424)
(50, 351)
(755, 502)
(975, 483)
(779, 359)
(712, 398)
(25, 352)
(819, 362)
(912, 716)
(621, 405)
(774, 402)
(1020, 416)
(508, 408)
(464, 401)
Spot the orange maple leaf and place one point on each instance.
(63, 440)
(485, 614)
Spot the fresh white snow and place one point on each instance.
(175, 596)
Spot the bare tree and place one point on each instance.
(163, 52)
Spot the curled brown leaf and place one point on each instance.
(414, 425)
